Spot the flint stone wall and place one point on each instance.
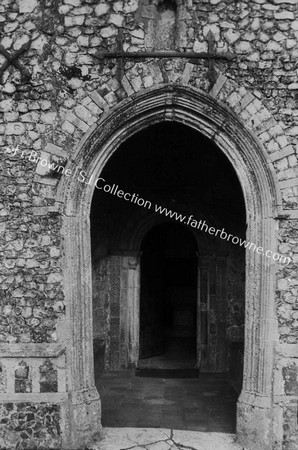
(69, 90)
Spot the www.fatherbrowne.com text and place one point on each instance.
(100, 183)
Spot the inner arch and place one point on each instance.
(169, 165)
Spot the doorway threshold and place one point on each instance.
(164, 367)
(162, 439)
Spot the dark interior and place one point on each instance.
(173, 165)
(168, 292)
(169, 164)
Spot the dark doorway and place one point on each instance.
(168, 300)
(172, 166)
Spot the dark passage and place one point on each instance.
(204, 404)
(168, 301)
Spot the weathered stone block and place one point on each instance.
(131, 6)
(232, 36)
(54, 278)
(284, 15)
(72, 21)
(108, 32)
(139, 34)
(27, 6)
(55, 150)
(77, 122)
(116, 19)
(67, 126)
(16, 128)
(101, 9)
(6, 105)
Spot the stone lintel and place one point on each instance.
(35, 397)
(31, 350)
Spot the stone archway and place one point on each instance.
(212, 119)
(118, 347)
(118, 302)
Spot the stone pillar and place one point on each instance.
(255, 404)
(130, 308)
(116, 308)
(101, 306)
(114, 356)
(82, 407)
(212, 312)
(202, 310)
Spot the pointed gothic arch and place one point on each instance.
(202, 112)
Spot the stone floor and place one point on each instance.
(162, 439)
(170, 359)
(206, 404)
(178, 360)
